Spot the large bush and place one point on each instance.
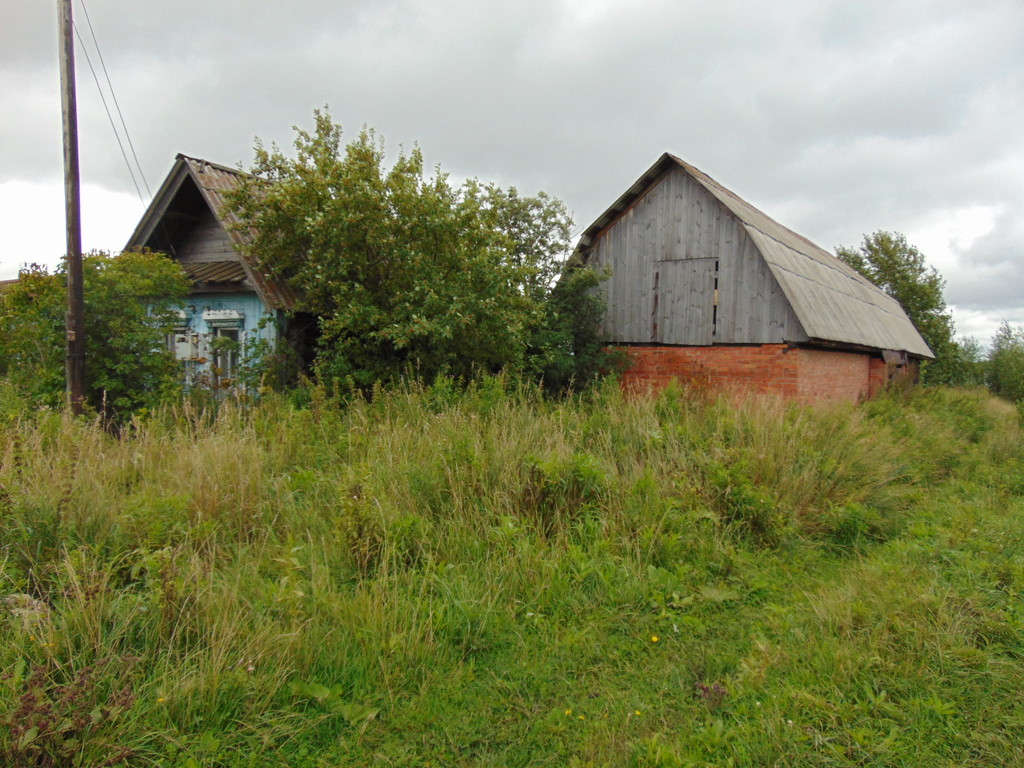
(410, 273)
(129, 309)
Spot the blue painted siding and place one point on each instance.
(232, 317)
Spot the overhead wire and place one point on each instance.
(113, 96)
(110, 117)
(117, 106)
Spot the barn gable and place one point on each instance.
(682, 269)
(693, 264)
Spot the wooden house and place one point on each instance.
(707, 288)
(232, 303)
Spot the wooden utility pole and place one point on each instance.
(75, 365)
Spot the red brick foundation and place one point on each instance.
(878, 375)
(808, 375)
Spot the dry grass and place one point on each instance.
(436, 574)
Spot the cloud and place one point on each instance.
(107, 220)
(837, 118)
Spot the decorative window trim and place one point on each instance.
(223, 318)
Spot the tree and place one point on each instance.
(1006, 363)
(129, 307)
(899, 269)
(408, 273)
(566, 349)
(972, 362)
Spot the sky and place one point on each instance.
(836, 118)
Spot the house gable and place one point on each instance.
(206, 241)
(190, 221)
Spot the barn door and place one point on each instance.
(684, 301)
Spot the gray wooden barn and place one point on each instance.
(706, 287)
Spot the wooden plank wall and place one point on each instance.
(685, 301)
(665, 253)
(205, 241)
(752, 307)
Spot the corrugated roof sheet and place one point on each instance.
(833, 301)
(216, 272)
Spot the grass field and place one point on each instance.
(489, 578)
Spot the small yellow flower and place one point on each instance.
(636, 712)
(568, 711)
(582, 717)
(654, 638)
(159, 699)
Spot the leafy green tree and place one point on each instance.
(407, 272)
(972, 362)
(900, 269)
(32, 348)
(129, 308)
(566, 349)
(1006, 363)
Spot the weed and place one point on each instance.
(59, 715)
(436, 574)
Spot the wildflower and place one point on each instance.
(568, 711)
(160, 699)
(636, 712)
(712, 695)
(654, 638)
(582, 717)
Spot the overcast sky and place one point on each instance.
(836, 118)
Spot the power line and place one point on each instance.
(117, 106)
(113, 96)
(110, 117)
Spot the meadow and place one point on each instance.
(483, 576)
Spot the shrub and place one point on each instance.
(129, 305)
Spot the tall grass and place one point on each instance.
(489, 577)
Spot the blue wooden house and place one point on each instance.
(233, 304)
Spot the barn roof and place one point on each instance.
(214, 183)
(833, 302)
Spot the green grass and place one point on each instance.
(490, 578)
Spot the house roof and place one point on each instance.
(216, 272)
(214, 183)
(833, 301)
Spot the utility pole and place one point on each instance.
(75, 365)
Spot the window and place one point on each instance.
(225, 344)
(225, 356)
(184, 344)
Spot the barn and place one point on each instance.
(706, 288)
(232, 304)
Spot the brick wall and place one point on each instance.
(809, 375)
(830, 375)
(878, 375)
